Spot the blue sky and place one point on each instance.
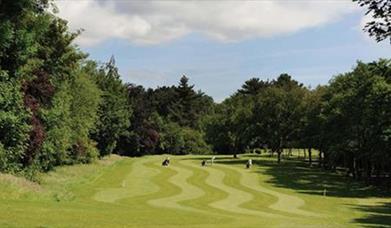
(311, 55)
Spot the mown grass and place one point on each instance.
(139, 192)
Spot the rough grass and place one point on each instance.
(139, 192)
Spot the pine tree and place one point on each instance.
(183, 109)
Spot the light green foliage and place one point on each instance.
(175, 139)
(69, 121)
(114, 110)
(58, 121)
(171, 138)
(86, 98)
(194, 142)
(13, 124)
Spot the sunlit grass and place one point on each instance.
(139, 192)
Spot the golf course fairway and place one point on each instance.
(139, 192)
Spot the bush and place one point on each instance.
(182, 140)
(14, 127)
(194, 142)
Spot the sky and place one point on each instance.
(221, 44)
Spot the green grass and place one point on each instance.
(139, 192)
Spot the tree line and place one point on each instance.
(58, 107)
(348, 121)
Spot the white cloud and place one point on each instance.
(150, 22)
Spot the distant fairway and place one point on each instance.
(139, 192)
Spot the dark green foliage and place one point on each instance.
(163, 119)
(311, 130)
(188, 105)
(253, 86)
(230, 129)
(380, 26)
(357, 113)
(278, 111)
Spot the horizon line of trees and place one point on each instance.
(58, 107)
(348, 121)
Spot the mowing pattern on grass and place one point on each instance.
(139, 192)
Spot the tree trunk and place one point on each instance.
(235, 148)
(310, 156)
(320, 158)
(279, 151)
(352, 167)
(369, 170)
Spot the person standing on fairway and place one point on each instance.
(213, 159)
(249, 163)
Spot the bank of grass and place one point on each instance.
(139, 192)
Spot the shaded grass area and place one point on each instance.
(297, 175)
(376, 215)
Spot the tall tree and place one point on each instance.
(114, 110)
(189, 105)
(358, 120)
(278, 112)
(311, 129)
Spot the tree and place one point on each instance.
(14, 127)
(182, 140)
(86, 98)
(253, 86)
(114, 110)
(189, 105)
(311, 129)
(182, 110)
(229, 130)
(380, 26)
(357, 119)
(278, 112)
(46, 118)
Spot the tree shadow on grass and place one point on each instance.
(376, 216)
(297, 175)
